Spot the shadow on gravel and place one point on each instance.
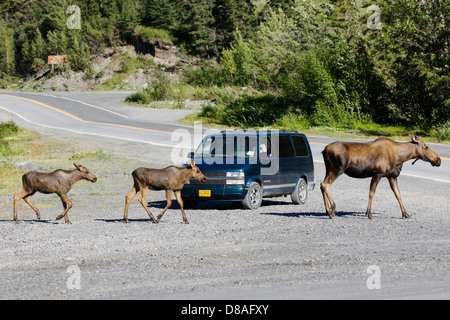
(123, 221)
(32, 221)
(321, 215)
(214, 204)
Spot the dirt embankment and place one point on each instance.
(113, 68)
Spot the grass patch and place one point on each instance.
(10, 178)
(97, 155)
(443, 132)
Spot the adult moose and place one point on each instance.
(169, 179)
(59, 182)
(377, 159)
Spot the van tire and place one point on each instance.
(300, 194)
(253, 199)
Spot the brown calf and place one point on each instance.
(169, 179)
(59, 182)
(377, 159)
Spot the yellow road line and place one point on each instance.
(87, 121)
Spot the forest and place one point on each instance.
(302, 63)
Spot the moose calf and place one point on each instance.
(59, 182)
(169, 179)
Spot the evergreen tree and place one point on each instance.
(38, 51)
(128, 18)
(197, 28)
(159, 13)
(7, 54)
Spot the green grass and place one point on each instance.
(8, 130)
(97, 155)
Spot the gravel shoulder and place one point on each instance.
(280, 251)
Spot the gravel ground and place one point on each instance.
(280, 251)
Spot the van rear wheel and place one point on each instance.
(300, 194)
(253, 199)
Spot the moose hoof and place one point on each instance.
(407, 216)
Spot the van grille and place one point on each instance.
(217, 178)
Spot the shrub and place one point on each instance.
(250, 111)
(443, 132)
(7, 129)
(139, 97)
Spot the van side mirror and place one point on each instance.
(190, 155)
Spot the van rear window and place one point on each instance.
(300, 146)
(286, 150)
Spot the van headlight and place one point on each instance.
(236, 174)
(235, 177)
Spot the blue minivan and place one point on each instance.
(248, 165)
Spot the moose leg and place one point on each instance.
(373, 186)
(128, 199)
(67, 204)
(327, 199)
(24, 195)
(168, 204)
(143, 191)
(180, 202)
(17, 197)
(27, 200)
(394, 186)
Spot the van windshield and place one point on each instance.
(228, 146)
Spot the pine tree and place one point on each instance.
(38, 51)
(7, 54)
(128, 18)
(198, 28)
(159, 13)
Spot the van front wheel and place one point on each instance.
(300, 194)
(253, 199)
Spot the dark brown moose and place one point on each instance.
(169, 179)
(377, 159)
(59, 182)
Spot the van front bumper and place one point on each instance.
(213, 192)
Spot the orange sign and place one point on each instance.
(57, 59)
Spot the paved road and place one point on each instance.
(103, 114)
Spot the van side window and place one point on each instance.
(300, 146)
(286, 150)
(265, 147)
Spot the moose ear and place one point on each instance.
(77, 165)
(414, 138)
(193, 163)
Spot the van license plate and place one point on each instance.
(204, 193)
